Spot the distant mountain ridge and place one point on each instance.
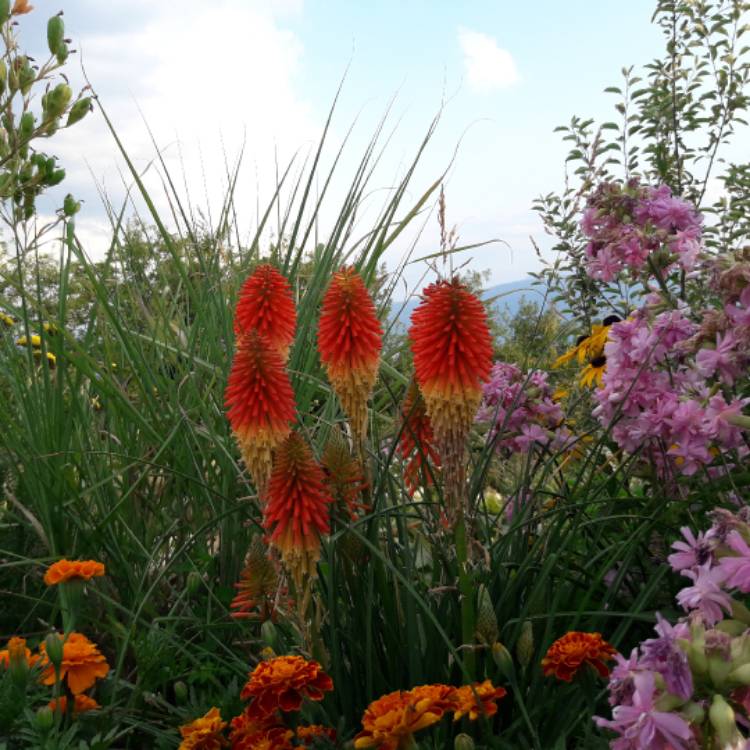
(504, 295)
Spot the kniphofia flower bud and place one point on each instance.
(260, 403)
(349, 342)
(298, 507)
(266, 305)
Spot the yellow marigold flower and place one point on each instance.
(68, 570)
(568, 654)
(392, 719)
(15, 649)
(81, 704)
(82, 663)
(280, 684)
(477, 700)
(205, 733)
(36, 341)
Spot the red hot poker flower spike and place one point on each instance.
(260, 403)
(349, 342)
(452, 348)
(265, 304)
(298, 507)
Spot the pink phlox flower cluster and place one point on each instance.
(521, 412)
(658, 401)
(627, 224)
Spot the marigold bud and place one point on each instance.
(193, 582)
(44, 719)
(463, 742)
(268, 634)
(180, 692)
(53, 646)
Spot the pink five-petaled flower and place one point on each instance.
(695, 551)
(720, 360)
(641, 726)
(705, 595)
(737, 568)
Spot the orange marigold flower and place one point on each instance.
(394, 717)
(416, 444)
(205, 733)
(452, 350)
(250, 733)
(82, 663)
(266, 305)
(280, 684)
(567, 654)
(260, 403)
(258, 584)
(81, 704)
(298, 506)
(68, 570)
(479, 699)
(349, 342)
(308, 734)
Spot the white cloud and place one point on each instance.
(207, 80)
(488, 67)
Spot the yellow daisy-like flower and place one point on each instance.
(587, 347)
(593, 373)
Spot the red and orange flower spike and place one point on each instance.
(260, 404)
(349, 342)
(567, 655)
(416, 444)
(258, 586)
(298, 507)
(266, 305)
(344, 476)
(452, 348)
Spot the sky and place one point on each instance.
(208, 77)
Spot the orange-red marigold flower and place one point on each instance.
(393, 717)
(416, 444)
(266, 305)
(81, 704)
(280, 684)
(349, 342)
(567, 654)
(265, 733)
(82, 663)
(477, 700)
(205, 733)
(16, 648)
(260, 403)
(298, 506)
(308, 734)
(67, 570)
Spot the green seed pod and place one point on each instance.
(58, 100)
(525, 644)
(26, 77)
(463, 742)
(70, 205)
(7, 185)
(721, 716)
(53, 645)
(62, 52)
(487, 630)
(45, 719)
(26, 126)
(79, 110)
(56, 177)
(3, 75)
(502, 658)
(55, 33)
(180, 692)
(4, 10)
